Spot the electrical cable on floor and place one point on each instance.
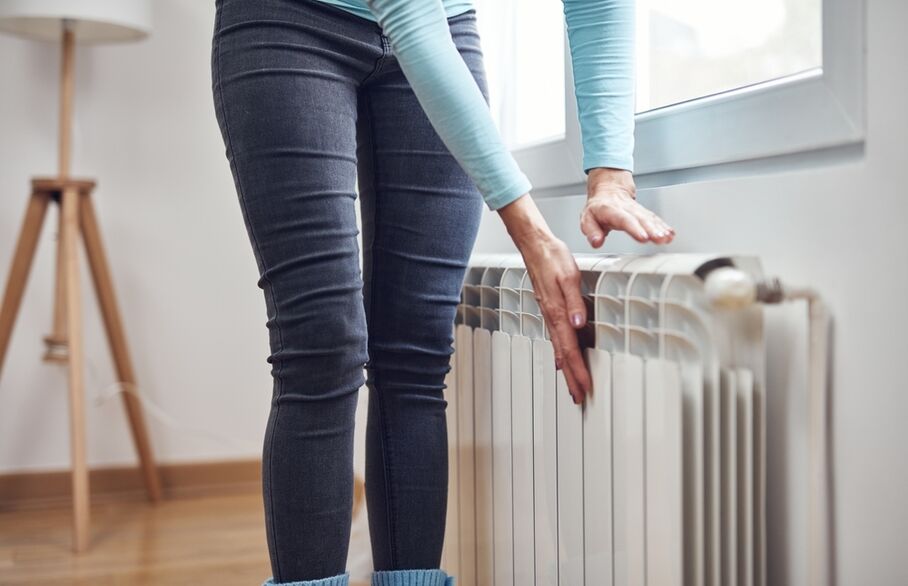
(115, 388)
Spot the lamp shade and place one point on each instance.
(91, 21)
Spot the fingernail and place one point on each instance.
(577, 320)
(557, 364)
(643, 234)
(659, 233)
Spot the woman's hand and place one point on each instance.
(556, 286)
(611, 204)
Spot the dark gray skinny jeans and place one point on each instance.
(310, 98)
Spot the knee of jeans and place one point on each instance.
(413, 371)
(317, 355)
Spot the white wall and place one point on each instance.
(186, 276)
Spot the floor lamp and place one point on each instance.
(68, 22)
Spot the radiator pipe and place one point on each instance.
(732, 288)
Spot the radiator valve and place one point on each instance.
(731, 288)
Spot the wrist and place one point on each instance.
(524, 222)
(607, 178)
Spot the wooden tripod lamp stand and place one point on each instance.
(71, 21)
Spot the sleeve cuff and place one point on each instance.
(500, 198)
(591, 162)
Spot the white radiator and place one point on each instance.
(658, 481)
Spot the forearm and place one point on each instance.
(601, 37)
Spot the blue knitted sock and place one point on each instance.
(411, 578)
(339, 580)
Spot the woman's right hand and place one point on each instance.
(556, 285)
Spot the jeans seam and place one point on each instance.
(386, 465)
(266, 279)
(379, 61)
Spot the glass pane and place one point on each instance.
(523, 47)
(688, 49)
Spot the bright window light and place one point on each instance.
(694, 48)
(523, 47)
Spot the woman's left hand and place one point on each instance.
(611, 204)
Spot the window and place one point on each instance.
(694, 48)
(718, 82)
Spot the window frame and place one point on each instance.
(811, 111)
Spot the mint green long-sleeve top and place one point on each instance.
(600, 35)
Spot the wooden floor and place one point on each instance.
(216, 540)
